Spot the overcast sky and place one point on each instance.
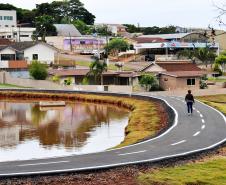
(187, 13)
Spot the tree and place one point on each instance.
(97, 68)
(117, 45)
(221, 60)
(147, 81)
(82, 27)
(38, 70)
(205, 55)
(44, 27)
(102, 31)
(132, 28)
(186, 53)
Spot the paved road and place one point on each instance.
(189, 134)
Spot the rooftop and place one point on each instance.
(149, 40)
(181, 74)
(167, 36)
(67, 30)
(178, 66)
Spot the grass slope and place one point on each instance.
(212, 172)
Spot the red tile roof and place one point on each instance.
(179, 74)
(178, 66)
(71, 72)
(83, 72)
(5, 42)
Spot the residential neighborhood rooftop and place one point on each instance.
(67, 30)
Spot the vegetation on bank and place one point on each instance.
(145, 119)
(209, 172)
(216, 101)
(5, 86)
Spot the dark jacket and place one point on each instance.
(189, 98)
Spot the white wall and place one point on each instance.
(10, 23)
(45, 53)
(7, 51)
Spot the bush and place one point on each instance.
(203, 84)
(38, 70)
(68, 81)
(56, 79)
(85, 81)
(217, 68)
(148, 81)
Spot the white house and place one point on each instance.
(28, 51)
(42, 52)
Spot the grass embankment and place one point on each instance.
(211, 172)
(217, 79)
(145, 119)
(5, 86)
(216, 101)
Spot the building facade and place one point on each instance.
(8, 19)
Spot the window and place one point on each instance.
(8, 18)
(7, 56)
(0, 17)
(82, 42)
(191, 81)
(35, 57)
(6, 25)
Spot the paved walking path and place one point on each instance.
(204, 130)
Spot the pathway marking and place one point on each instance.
(143, 151)
(37, 164)
(201, 115)
(198, 111)
(203, 127)
(197, 133)
(203, 121)
(174, 144)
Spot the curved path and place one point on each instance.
(204, 130)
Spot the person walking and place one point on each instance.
(189, 98)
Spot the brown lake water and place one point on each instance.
(28, 131)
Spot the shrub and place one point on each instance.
(68, 81)
(85, 81)
(56, 79)
(148, 81)
(38, 70)
(203, 84)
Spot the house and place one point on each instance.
(10, 30)
(165, 44)
(173, 75)
(27, 51)
(116, 29)
(109, 77)
(64, 31)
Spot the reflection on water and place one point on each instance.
(28, 131)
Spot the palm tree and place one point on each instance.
(97, 68)
(205, 55)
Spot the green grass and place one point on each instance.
(212, 172)
(217, 79)
(216, 101)
(110, 67)
(11, 86)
